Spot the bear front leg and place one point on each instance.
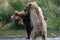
(44, 36)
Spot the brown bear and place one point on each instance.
(23, 18)
(37, 21)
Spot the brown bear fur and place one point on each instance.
(18, 20)
(38, 22)
(25, 16)
(25, 19)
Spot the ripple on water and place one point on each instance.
(56, 38)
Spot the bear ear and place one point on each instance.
(34, 2)
(16, 11)
(12, 17)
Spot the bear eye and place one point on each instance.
(17, 20)
(25, 10)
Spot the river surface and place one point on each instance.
(15, 38)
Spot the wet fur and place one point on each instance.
(37, 28)
(25, 16)
(38, 22)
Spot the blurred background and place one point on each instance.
(50, 8)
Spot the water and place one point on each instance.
(15, 38)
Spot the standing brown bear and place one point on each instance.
(37, 20)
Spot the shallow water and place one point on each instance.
(15, 38)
